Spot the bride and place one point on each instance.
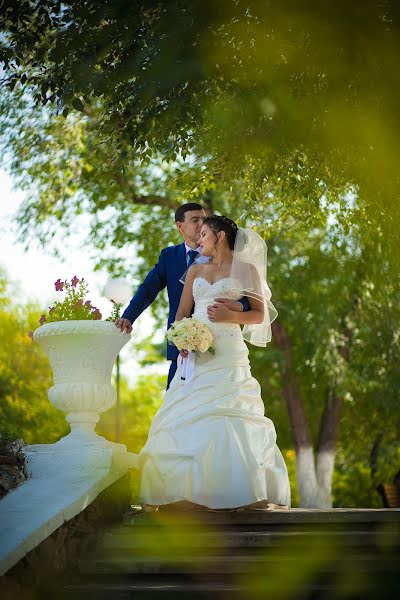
(210, 445)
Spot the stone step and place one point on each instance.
(151, 589)
(130, 565)
(169, 588)
(275, 518)
(128, 538)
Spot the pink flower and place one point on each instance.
(74, 281)
(42, 319)
(30, 334)
(59, 285)
(88, 303)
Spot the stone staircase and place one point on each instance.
(297, 554)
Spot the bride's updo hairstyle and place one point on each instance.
(219, 223)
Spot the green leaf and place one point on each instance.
(77, 104)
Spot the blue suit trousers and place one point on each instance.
(172, 371)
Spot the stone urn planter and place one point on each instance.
(82, 355)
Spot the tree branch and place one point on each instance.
(154, 200)
(373, 457)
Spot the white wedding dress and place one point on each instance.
(210, 443)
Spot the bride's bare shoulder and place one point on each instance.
(201, 268)
(195, 271)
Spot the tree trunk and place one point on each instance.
(328, 436)
(314, 474)
(305, 463)
(208, 203)
(373, 457)
(307, 484)
(314, 477)
(329, 433)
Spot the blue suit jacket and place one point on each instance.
(169, 269)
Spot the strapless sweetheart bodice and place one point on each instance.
(204, 294)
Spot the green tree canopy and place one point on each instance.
(302, 95)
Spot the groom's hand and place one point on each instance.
(124, 325)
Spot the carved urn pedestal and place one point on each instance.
(82, 355)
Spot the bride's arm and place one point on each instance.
(254, 315)
(219, 313)
(186, 304)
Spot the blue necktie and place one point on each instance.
(193, 254)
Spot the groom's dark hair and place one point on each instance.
(184, 208)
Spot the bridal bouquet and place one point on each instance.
(191, 334)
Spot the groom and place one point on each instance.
(172, 263)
